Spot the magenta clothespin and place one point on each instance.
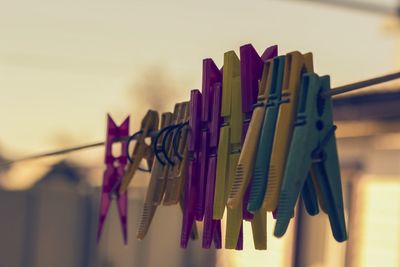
(212, 228)
(115, 168)
(193, 177)
(211, 75)
(251, 65)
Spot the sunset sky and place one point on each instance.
(65, 64)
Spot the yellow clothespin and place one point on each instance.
(296, 65)
(156, 187)
(245, 165)
(229, 147)
(141, 150)
(178, 148)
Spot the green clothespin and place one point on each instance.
(264, 148)
(313, 145)
(296, 65)
(266, 140)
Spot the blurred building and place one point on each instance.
(55, 223)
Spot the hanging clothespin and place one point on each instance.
(191, 183)
(264, 147)
(245, 165)
(141, 150)
(313, 145)
(230, 142)
(115, 166)
(296, 65)
(212, 94)
(156, 187)
(178, 150)
(251, 72)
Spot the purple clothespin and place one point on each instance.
(193, 177)
(115, 168)
(251, 65)
(210, 123)
(211, 75)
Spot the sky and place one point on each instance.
(65, 64)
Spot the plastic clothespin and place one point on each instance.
(264, 148)
(191, 183)
(313, 145)
(141, 150)
(156, 187)
(178, 171)
(211, 75)
(212, 95)
(230, 143)
(245, 165)
(296, 65)
(251, 72)
(115, 166)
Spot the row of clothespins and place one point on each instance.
(259, 136)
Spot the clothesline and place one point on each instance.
(334, 91)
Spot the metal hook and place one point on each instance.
(175, 141)
(164, 143)
(155, 148)
(131, 138)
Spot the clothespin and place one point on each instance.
(296, 65)
(191, 183)
(115, 166)
(156, 187)
(212, 94)
(264, 148)
(230, 143)
(245, 165)
(141, 150)
(313, 145)
(178, 148)
(251, 72)
(179, 172)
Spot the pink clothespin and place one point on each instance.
(212, 96)
(192, 181)
(115, 168)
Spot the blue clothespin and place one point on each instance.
(313, 145)
(264, 148)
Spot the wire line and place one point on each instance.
(334, 91)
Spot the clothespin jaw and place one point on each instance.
(141, 150)
(264, 148)
(156, 187)
(113, 173)
(179, 169)
(191, 183)
(296, 64)
(313, 145)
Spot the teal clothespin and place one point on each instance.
(265, 145)
(266, 139)
(313, 145)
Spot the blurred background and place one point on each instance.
(65, 64)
